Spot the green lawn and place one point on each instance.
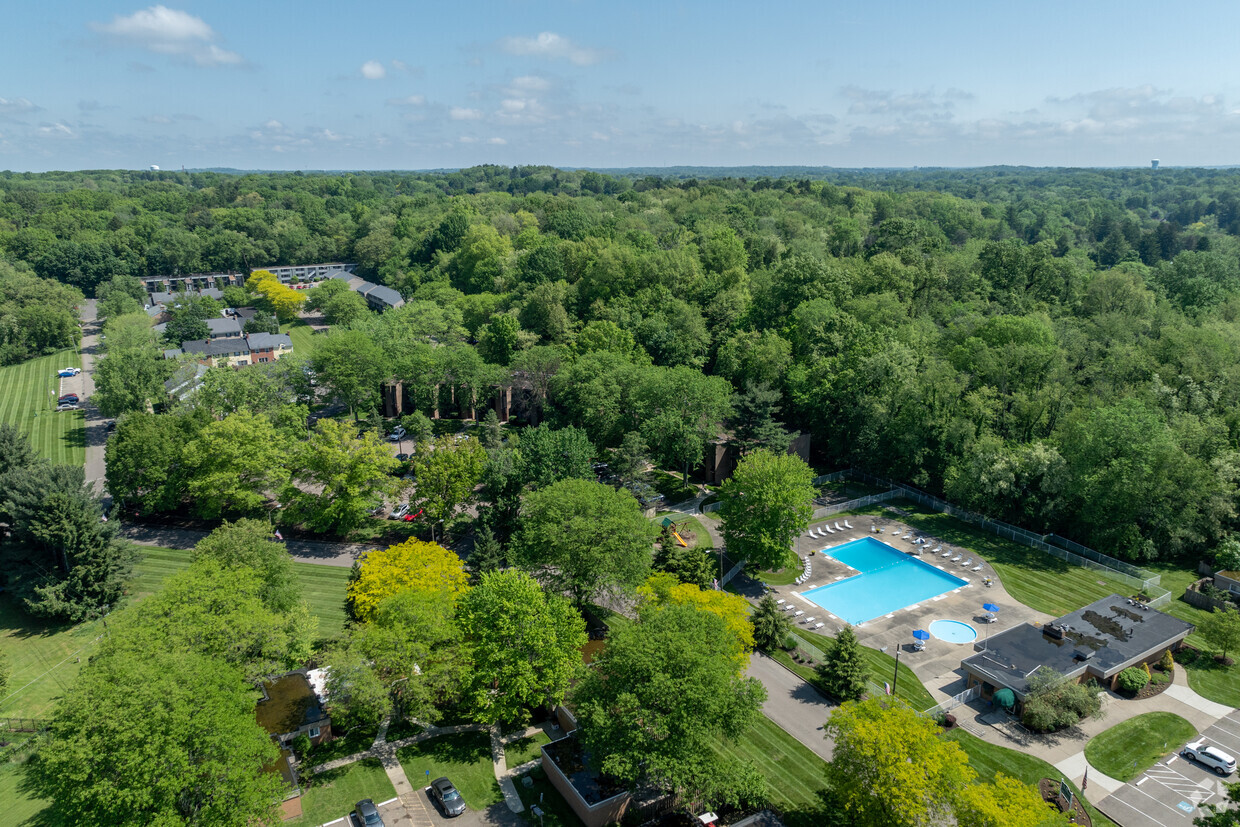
(44, 659)
(793, 773)
(788, 574)
(701, 535)
(323, 587)
(19, 808)
(1130, 748)
(990, 759)
(331, 795)
(1208, 678)
(672, 487)
(882, 668)
(466, 760)
(28, 392)
(1040, 581)
(304, 340)
(521, 750)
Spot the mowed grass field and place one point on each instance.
(44, 659)
(28, 392)
(304, 340)
(794, 774)
(323, 587)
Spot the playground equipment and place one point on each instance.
(672, 528)
(679, 539)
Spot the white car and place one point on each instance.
(68, 371)
(1208, 756)
(396, 435)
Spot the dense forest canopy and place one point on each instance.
(1057, 348)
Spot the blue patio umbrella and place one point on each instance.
(990, 607)
(921, 634)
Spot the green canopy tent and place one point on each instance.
(1005, 698)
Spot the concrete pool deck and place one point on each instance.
(938, 667)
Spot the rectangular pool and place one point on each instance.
(887, 580)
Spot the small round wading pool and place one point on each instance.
(953, 631)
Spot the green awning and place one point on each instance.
(1005, 698)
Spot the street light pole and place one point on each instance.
(896, 676)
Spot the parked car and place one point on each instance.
(68, 371)
(366, 814)
(111, 426)
(410, 517)
(378, 510)
(402, 457)
(400, 511)
(68, 397)
(1208, 756)
(398, 433)
(68, 406)
(448, 796)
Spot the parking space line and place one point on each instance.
(1138, 811)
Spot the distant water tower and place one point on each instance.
(1154, 164)
(155, 167)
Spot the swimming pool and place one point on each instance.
(953, 631)
(887, 580)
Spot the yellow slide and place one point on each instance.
(680, 539)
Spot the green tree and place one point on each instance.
(630, 462)
(351, 366)
(1052, 702)
(447, 472)
(16, 452)
(524, 646)
(681, 409)
(488, 553)
(843, 673)
(548, 455)
(248, 544)
(499, 340)
(891, 767)
(1221, 815)
(771, 624)
(583, 539)
(754, 421)
(765, 505)
(349, 474)
(220, 612)
(232, 465)
(357, 697)
(130, 379)
(688, 564)
(655, 703)
(1221, 629)
(157, 738)
(261, 323)
(1226, 553)
(1006, 802)
(185, 326)
(143, 460)
(63, 561)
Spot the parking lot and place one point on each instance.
(1170, 793)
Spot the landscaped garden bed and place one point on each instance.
(1050, 794)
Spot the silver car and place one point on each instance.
(1208, 756)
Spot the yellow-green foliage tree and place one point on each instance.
(411, 565)
(284, 300)
(1008, 802)
(891, 767)
(665, 589)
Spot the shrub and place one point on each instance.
(790, 642)
(1166, 663)
(1132, 680)
(1055, 703)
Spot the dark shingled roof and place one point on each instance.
(288, 704)
(1102, 638)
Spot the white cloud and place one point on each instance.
(460, 113)
(56, 130)
(273, 124)
(512, 105)
(408, 100)
(373, 70)
(552, 46)
(496, 141)
(531, 83)
(15, 106)
(166, 31)
(466, 139)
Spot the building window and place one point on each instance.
(314, 732)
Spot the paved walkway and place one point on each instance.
(96, 426)
(796, 707)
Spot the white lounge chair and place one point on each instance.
(956, 559)
(966, 563)
(799, 612)
(780, 602)
(827, 529)
(810, 620)
(811, 533)
(819, 625)
(847, 526)
(947, 553)
(937, 549)
(837, 527)
(919, 646)
(977, 568)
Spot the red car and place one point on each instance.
(409, 518)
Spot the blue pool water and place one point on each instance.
(953, 631)
(888, 580)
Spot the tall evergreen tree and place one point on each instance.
(770, 624)
(842, 673)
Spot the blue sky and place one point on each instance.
(416, 85)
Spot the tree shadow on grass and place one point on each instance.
(463, 748)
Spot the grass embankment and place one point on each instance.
(464, 758)
(305, 342)
(323, 587)
(988, 760)
(44, 659)
(1206, 676)
(881, 668)
(19, 808)
(794, 775)
(790, 571)
(332, 795)
(1130, 748)
(28, 392)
